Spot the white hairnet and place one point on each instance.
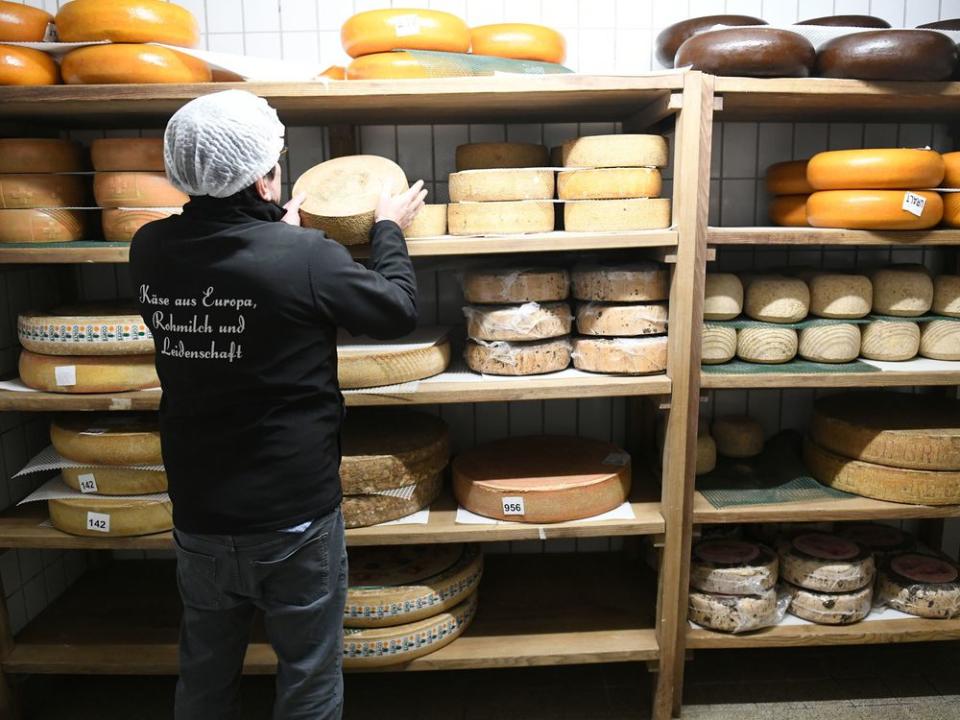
(218, 144)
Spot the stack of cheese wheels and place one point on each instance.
(920, 584)
(616, 184)
(519, 41)
(723, 300)
(877, 189)
(408, 601)
(377, 40)
(130, 185)
(835, 296)
(890, 446)
(21, 65)
(737, 436)
(501, 188)
(787, 182)
(542, 479)
(518, 321)
(733, 586)
(900, 292)
(108, 454)
(39, 190)
(86, 349)
(392, 465)
(940, 338)
(129, 25)
(622, 318)
(776, 299)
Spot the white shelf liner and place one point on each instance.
(50, 459)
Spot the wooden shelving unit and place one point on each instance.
(911, 372)
(828, 236)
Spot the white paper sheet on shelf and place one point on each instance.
(915, 365)
(622, 512)
(421, 517)
(16, 385)
(56, 489)
(50, 459)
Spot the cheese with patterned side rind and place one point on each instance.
(367, 509)
(723, 296)
(733, 567)
(767, 345)
(826, 563)
(108, 438)
(621, 356)
(361, 368)
(833, 295)
(121, 224)
(488, 155)
(890, 340)
(27, 190)
(42, 225)
(718, 344)
(838, 343)
(40, 155)
(777, 299)
(616, 151)
(609, 183)
(616, 320)
(823, 608)
(136, 190)
(114, 329)
(737, 436)
(127, 518)
(920, 584)
(500, 218)
(734, 613)
(616, 215)
(903, 291)
(87, 374)
(637, 282)
(516, 286)
(940, 340)
(497, 185)
(523, 358)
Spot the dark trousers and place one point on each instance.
(299, 581)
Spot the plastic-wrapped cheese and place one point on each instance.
(737, 436)
(723, 296)
(638, 282)
(777, 299)
(516, 286)
(500, 218)
(838, 343)
(621, 356)
(616, 215)
(517, 323)
(496, 185)
(890, 340)
(919, 584)
(734, 613)
(833, 295)
(946, 295)
(616, 151)
(718, 344)
(826, 563)
(903, 291)
(823, 608)
(732, 567)
(615, 320)
(767, 345)
(518, 358)
(940, 340)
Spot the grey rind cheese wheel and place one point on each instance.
(733, 567)
(946, 295)
(621, 356)
(882, 482)
(749, 52)
(609, 183)
(430, 221)
(734, 613)
(639, 282)
(386, 448)
(483, 156)
(833, 295)
(829, 608)
(737, 436)
(516, 286)
(902, 291)
(108, 438)
(616, 215)
(920, 584)
(706, 454)
(526, 358)
(613, 320)
(826, 563)
(342, 194)
(777, 299)
(838, 343)
(723, 296)
(500, 218)
(940, 340)
(672, 37)
(518, 323)
(890, 340)
(718, 344)
(616, 151)
(127, 517)
(878, 539)
(93, 329)
(107, 480)
(365, 510)
(501, 184)
(393, 585)
(359, 368)
(767, 345)
(901, 55)
(847, 21)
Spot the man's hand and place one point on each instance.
(402, 208)
(292, 214)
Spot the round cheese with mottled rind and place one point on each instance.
(500, 218)
(518, 323)
(39, 155)
(718, 344)
(920, 584)
(108, 438)
(43, 191)
(903, 291)
(87, 374)
(706, 454)
(767, 345)
(136, 190)
(430, 221)
(487, 155)
(829, 608)
(127, 154)
(733, 567)
(621, 356)
(777, 299)
(615, 320)
(946, 295)
(734, 613)
(940, 340)
(737, 436)
(838, 343)
(616, 151)
(826, 563)
(361, 368)
(609, 183)
(121, 224)
(516, 285)
(890, 340)
(106, 480)
(616, 215)
(42, 225)
(722, 296)
(877, 538)
(115, 329)
(638, 282)
(834, 295)
(365, 509)
(518, 358)
(127, 518)
(496, 185)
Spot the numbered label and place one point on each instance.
(98, 522)
(407, 25)
(914, 203)
(65, 375)
(513, 506)
(88, 483)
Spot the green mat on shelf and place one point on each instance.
(741, 322)
(444, 64)
(794, 367)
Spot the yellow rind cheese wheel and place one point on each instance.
(93, 374)
(25, 66)
(788, 178)
(136, 190)
(430, 221)
(500, 218)
(788, 210)
(389, 66)
(871, 210)
(115, 480)
(951, 165)
(22, 23)
(616, 215)
(621, 356)
(609, 184)
(519, 41)
(875, 169)
(42, 225)
(501, 184)
(121, 224)
(951, 209)
(127, 21)
(122, 64)
(102, 439)
(362, 369)
(127, 517)
(127, 154)
(40, 155)
(488, 155)
(380, 31)
(43, 191)
(611, 151)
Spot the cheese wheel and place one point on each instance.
(500, 218)
(41, 225)
(112, 329)
(387, 448)
(359, 368)
(887, 428)
(767, 345)
(750, 52)
(342, 195)
(722, 296)
(489, 155)
(733, 567)
(121, 224)
(430, 221)
(40, 155)
(940, 340)
(365, 648)
(616, 215)
(104, 480)
(621, 356)
(835, 295)
(901, 55)
(671, 38)
(946, 295)
(951, 167)
(706, 454)
(108, 439)
(516, 286)
(127, 154)
(902, 291)
(380, 31)
(364, 510)
(878, 539)
(948, 24)
(875, 169)
(616, 151)
(122, 64)
(734, 613)
(838, 343)
(637, 282)
(872, 210)
(136, 190)
(788, 210)
(847, 21)
(519, 41)
(107, 517)
(737, 436)
(496, 185)
(882, 482)
(78, 374)
(920, 584)
(542, 479)
(334, 72)
(524, 358)
(609, 184)
(127, 21)
(829, 608)
(530, 321)
(22, 23)
(390, 66)
(718, 344)
(24, 66)
(951, 209)
(398, 584)
(777, 299)
(788, 178)
(42, 191)
(826, 563)
(892, 341)
(612, 320)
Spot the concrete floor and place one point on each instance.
(906, 682)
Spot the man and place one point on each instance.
(244, 307)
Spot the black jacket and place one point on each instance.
(244, 311)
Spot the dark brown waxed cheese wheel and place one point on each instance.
(951, 24)
(749, 52)
(903, 55)
(860, 21)
(671, 38)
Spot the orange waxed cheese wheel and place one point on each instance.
(379, 31)
(951, 176)
(875, 169)
(23, 66)
(951, 209)
(871, 210)
(519, 41)
(387, 66)
(22, 23)
(335, 72)
(127, 21)
(789, 210)
(120, 63)
(788, 178)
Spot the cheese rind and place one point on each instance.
(516, 286)
(40, 155)
(767, 345)
(946, 295)
(25, 66)
(487, 155)
(127, 517)
(90, 374)
(718, 344)
(872, 210)
(706, 454)
(136, 190)
(431, 221)
(614, 215)
(116, 481)
(367, 509)
(22, 23)
(614, 320)
(381, 31)
(525, 358)
(826, 563)
(501, 184)
(42, 225)
(888, 340)
(42, 191)
(829, 608)
(833, 295)
(838, 343)
(362, 369)
(733, 567)
(920, 584)
(734, 613)
(609, 183)
(737, 436)
(875, 169)
(397, 65)
(123, 63)
(723, 296)
(788, 210)
(879, 539)
(639, 282)
(903, 291)
(940, 340)
(108, 439)
(777, 299)
(519, 41)
(85, 330)
(127, 21)
(788, 178)
(616, 151)
(500, 218)
(127, 154)
(621, 356)
(121, 224)
(517, 323)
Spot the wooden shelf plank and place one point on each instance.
(910, 375)
(573, 609)
(828, 236)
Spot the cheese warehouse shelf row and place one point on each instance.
(827, 236)
(919, 371)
